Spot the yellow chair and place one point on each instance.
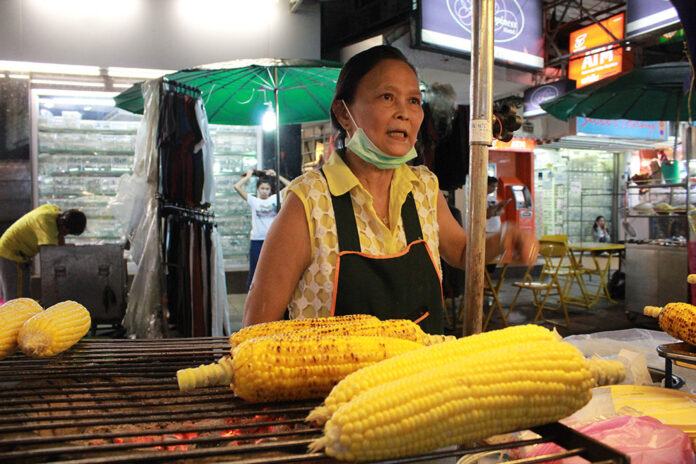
(492, 289)
(556, 268)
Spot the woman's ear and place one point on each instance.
(339, 110)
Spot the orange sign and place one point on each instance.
(514, 145)
(601, 62)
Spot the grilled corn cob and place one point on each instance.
(280, 327)
(12, 315)
(431, 356)
(54, 330)
(298, 367)
(676, 319)
(487, 392)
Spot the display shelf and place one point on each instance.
(652, 186)
(77, 130)
(84, 151)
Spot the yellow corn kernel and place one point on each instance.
(12, 315)
(208, 375)
(487, 393)
(266, 329)
(298, 367)
(676, 319)
(606, 372)
(395, 328)
(54, 330)
(430, 356)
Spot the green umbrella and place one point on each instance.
(652, 93)
(240, 92)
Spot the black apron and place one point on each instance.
(401, 286)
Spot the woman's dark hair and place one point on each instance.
(492, 180)
(351, 74)
(594, 226)
(266, 179)
(75, 221)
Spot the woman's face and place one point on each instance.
(600, 222)
(263, 190)
(387, 106)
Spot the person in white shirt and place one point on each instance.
(494, 210)
(600, 232)
(264, 209)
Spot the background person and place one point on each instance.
(45, 225)
(494, 210)
(600, 232)
(264, 209)
(365, 234)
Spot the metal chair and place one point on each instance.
(492, 289)
(556, 268)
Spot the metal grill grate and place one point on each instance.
(117, 401)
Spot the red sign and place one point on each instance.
(602, 62)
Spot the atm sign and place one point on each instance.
(602, 62)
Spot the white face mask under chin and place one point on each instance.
(365, 149)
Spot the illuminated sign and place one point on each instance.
(534, 97)
(655, 130)
(514, 145)
(518, 35)
(643, 16)
(602, 62)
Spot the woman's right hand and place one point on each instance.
(249, 173)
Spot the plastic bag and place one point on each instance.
(644, 439)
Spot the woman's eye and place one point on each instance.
(387, 96)
(416, 101)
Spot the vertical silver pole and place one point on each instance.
(277, 137)
(480, 136)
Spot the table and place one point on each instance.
(676, 352)
(576, 252)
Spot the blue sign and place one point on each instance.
(518, 35)
(624, 128)
(534, 97)
(643, 16)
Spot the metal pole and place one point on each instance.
(277, 137)
(480, 136)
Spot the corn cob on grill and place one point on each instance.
(13, 314)
(488, 391)
(432, 356)
(54, 330)
(676, 319)
(280, 327)
(292, 367)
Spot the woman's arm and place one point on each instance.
(284, 256)
(272, 173)
(240, 183)
(453, 238)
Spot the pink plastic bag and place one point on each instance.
(644, 439)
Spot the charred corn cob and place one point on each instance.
(12, 315)
(395, 328)
(676, 319)
(280, 327)
(298, 367)
(431, 356)
(54, 330)
(487, 392)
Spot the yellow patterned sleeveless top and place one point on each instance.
(312, 296)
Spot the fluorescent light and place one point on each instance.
(75, 83)
(30, 67)
(121, 86)
(2, 76)
(18, 76)
(142, 73)
(84, 101)
(268, 123)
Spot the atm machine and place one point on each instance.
(520, 210)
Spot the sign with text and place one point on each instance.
(535, 96)
(518, 35)
(625, 128)
(643, 16)
(600, 63)
(514, 145)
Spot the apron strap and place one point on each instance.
(347, 229)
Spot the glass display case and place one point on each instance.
(83, 145)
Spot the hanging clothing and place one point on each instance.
(313, 294)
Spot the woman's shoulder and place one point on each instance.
(425, 176)
(312, 180)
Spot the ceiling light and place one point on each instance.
(18, 76)
(29, 67)
(79, 101)
(268, 123)
(141, 73)
(121, 86)
(74, 83)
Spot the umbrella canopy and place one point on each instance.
(239, 92)
(652, 93)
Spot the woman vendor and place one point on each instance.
(365, 233)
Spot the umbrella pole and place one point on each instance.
(676, 129)
(480, 138)
(277, 138)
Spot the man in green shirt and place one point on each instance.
(45, 225)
